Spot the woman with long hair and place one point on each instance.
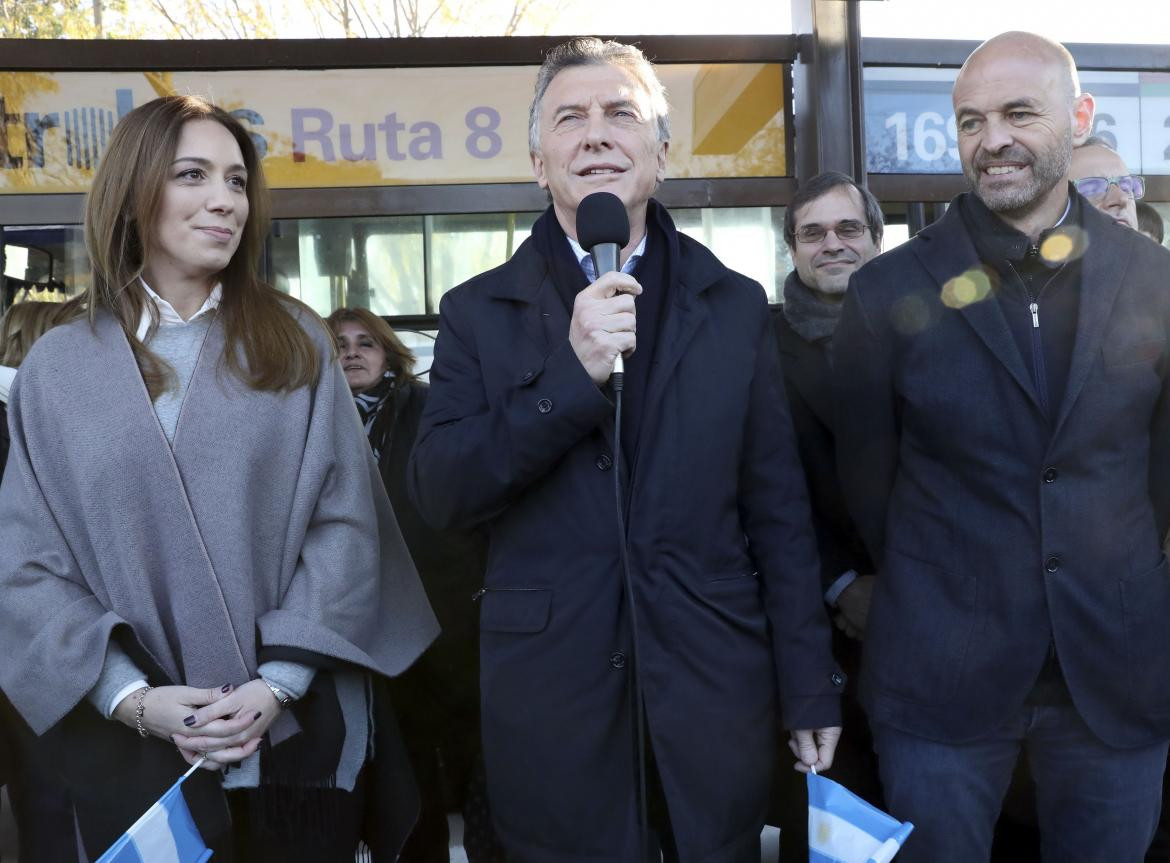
(196, 555)
(21, 325)
(437, 700)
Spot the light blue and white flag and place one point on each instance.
(843, 828)
(166, 833)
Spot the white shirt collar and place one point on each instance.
(583, 255)
(1064, 215)
(167, 313)
(7, 376)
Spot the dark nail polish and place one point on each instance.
(227, 687)
(190, 720)
(258, 715)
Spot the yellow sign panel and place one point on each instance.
(377, 127)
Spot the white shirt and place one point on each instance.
(586, 260)
(167, 313)
(7, 376)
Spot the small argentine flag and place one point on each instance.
(166, 833)
(843, 828)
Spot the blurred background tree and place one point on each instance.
(271, 19)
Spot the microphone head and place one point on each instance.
(602, 218)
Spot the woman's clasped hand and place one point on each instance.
(221, 725)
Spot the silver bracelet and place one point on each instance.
(282, 697)
(140, 710)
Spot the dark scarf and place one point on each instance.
(370, 403)
(1003, 247)
(813, 317)
(656, 272)
(554, 248)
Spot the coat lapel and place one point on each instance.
(687, 313)
(543, 315)
(531, 290)
(145, 429)
(1102, 274)
(947, 252)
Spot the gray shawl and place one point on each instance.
(266, 526)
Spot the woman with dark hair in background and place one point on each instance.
(200, 556)
(437, 700)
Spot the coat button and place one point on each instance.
(1050, 475)
(604, 462)
(527, 376)
(544, 405)
(838, 678)
(617, 659)
(1052, 564)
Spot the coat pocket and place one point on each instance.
(735, 600)
(515, 609)
(921, 625)
(1145, 600)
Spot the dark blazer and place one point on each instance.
(808, 381)
(997, 529)
(517, 437)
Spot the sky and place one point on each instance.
(1124, 21)
(1127, 21)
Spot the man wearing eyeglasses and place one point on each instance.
(1003, 431)
(832, 226)
(1100, 174)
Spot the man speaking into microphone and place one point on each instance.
(643, 642)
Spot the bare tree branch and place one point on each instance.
(182, 30)
(431, 17)
(519, 10)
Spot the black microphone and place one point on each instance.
(603, 227)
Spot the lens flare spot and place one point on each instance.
(1066, 243)
(910, 315)
(971, 287)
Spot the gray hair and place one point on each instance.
(1098, 141)
(590, 51)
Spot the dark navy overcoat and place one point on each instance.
(733, 637)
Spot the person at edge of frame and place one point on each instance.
(199, 564)
(1003, 422)
(1101, 176)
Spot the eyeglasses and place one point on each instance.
(847, 230)
(1095, 188)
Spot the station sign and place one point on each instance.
(378, 127)
(910, 124)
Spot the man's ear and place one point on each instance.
(538, 170)
(660, 174)
(1083, 109)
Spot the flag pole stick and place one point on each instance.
(195, 766)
